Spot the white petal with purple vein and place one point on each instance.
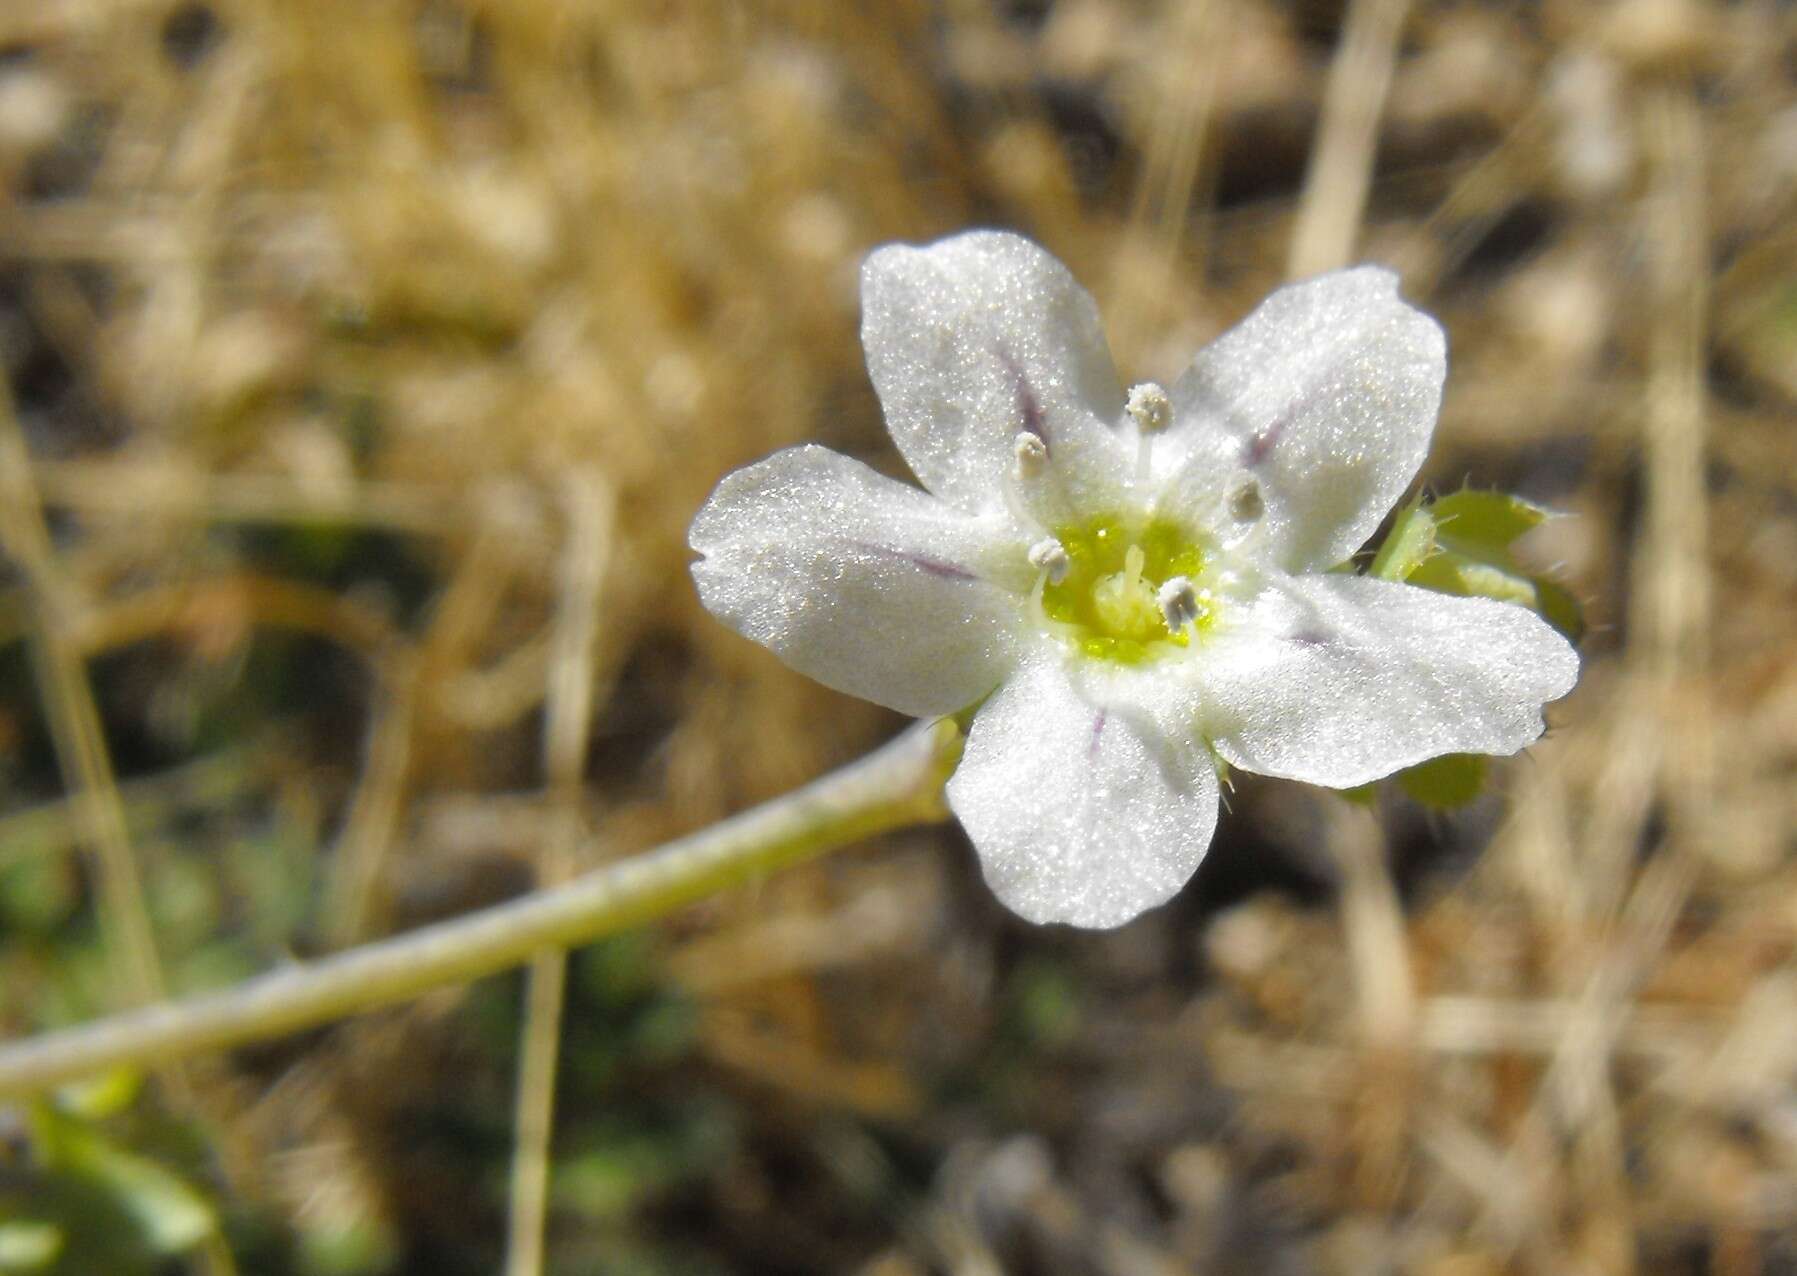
(981, 337)
(1323, 399)
(1080, 813)
(866, 584)
(1339, 680)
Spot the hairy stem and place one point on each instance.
(896, 785)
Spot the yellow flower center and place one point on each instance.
(1108, 597)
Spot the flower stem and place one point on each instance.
(897, 785)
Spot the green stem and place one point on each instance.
(896, 785)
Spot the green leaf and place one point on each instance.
(28, 1246)
(171, 1216)
(107, 1094)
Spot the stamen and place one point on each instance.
(1050, 558)
(1109, 604)
(1245, 504)
(1179, 603)
(1031, 453)
(1052, 563)
(1150, 408)
(1152, 411)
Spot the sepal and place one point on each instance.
(1461, 544)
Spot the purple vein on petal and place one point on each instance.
(1259, 445)
(1097, 734)
(1029, 407)
(923, 562)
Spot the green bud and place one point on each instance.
(1473, 535)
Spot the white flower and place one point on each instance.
(1141, 583)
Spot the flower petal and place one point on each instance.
(1080, 813)
(1338, 680)
(1320, 403)
(866, 584)
(976, 339)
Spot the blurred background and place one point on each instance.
(367, 360)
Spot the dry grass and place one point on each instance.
(335, 329)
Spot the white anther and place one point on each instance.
(1179, 603)
(1149, 407)
(1047, 556)
(1245, 505)
(1031, 453)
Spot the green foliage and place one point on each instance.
(1042, 1004)
(37, 893)
(223, 906)
(98, 1097)
(624, 1020)
(77, 1202)
(29, 1246)
(623, 1157)
(326, 1250)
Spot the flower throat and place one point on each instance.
(1108, 594)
